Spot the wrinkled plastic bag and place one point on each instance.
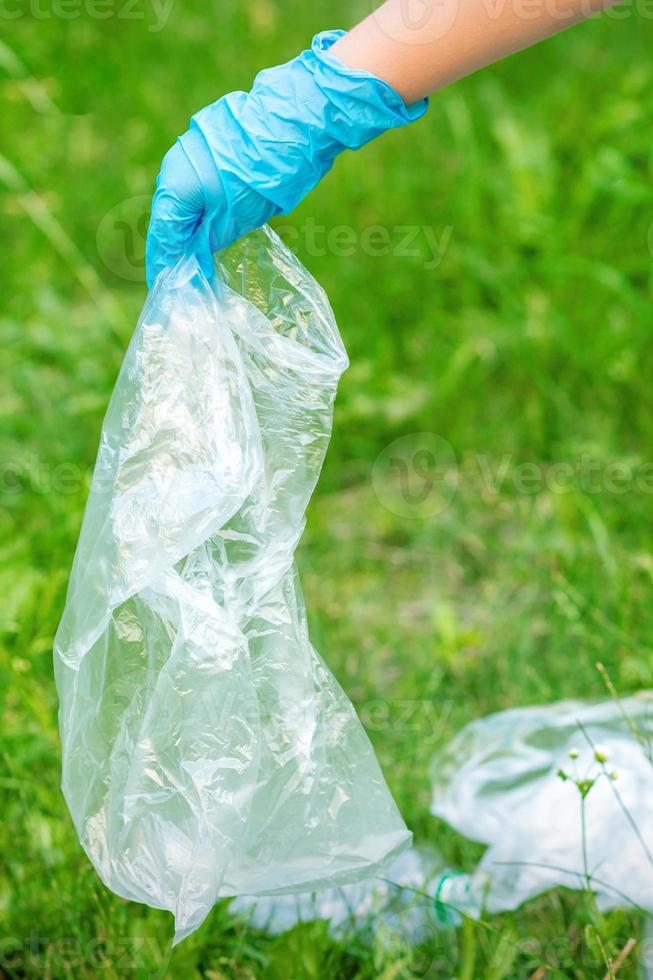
(207, 749)
(510, 781)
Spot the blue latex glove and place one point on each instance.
(252, 155)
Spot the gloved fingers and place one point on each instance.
(177, 210)
(232, 206)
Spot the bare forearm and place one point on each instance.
(419, 46)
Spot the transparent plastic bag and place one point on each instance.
(511, 781)
(207, 749)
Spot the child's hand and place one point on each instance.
(252, 155)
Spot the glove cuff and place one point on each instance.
(366, 100)
(268, 148)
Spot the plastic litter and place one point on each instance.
(207, 749)
(513, 781)
(398, 898)
(416, 895)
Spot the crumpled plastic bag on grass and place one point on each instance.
(207, 749)
(499, 782)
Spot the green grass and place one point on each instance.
(530, 342)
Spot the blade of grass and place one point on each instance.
(45, 221)
(34, 91)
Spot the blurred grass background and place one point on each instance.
(527, 343)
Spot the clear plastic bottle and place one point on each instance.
(398, 896)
